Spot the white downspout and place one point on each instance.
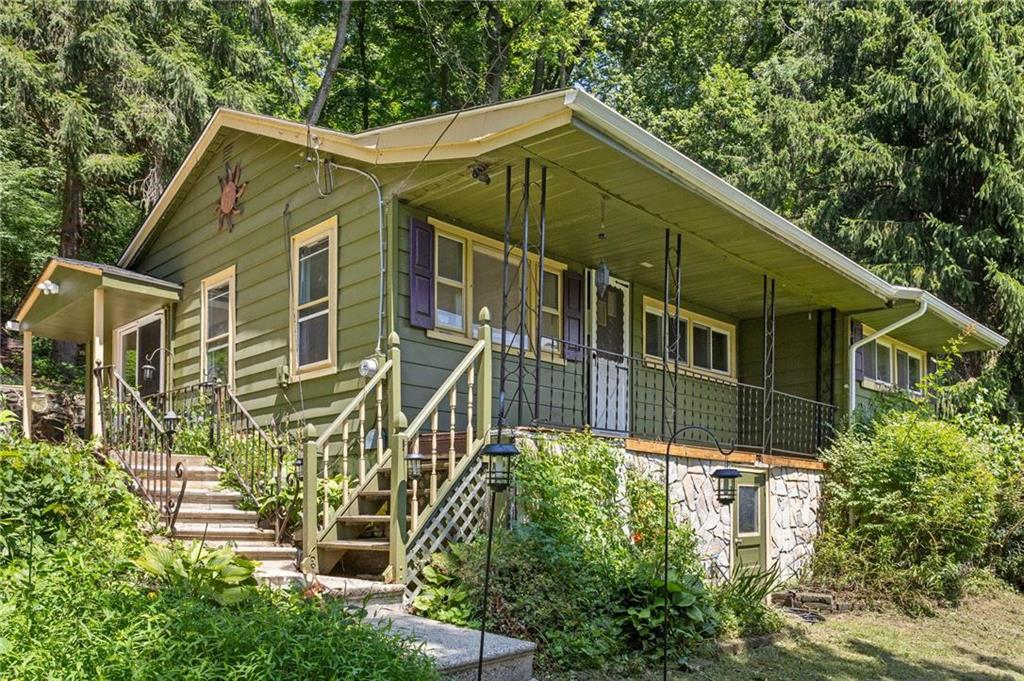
(852, 397)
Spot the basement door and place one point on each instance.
(609, 357)
(748, 523)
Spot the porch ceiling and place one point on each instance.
(724, 256)
(68, 314)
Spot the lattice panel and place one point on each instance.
(459, 517)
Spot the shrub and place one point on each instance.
(742, 603)
(581, 575)
(74, 606)
(909, 504)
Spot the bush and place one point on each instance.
(73, 605)
(742, 603)
(582, 575)
(909, 505)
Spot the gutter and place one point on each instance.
(852, 395)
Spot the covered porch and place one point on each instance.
(86, 302)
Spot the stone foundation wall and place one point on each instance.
(53, 413)
(793, 500)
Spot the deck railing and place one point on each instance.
(627, 395)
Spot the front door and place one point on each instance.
(609, 366)
(138, 347)
(748, 523)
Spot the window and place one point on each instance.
(468, 277)
(654, 337)
(451, 283)
(889, 363)
(748, 517)
(218, 313)
(314, 299)
(701, 342)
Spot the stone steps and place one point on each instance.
(215, 513)
(240, 532)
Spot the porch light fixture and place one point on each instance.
(49, 288)
(602, 278)
(171, 425)
(414, 464)
(725, 485)
(498, 457)
(148, 369)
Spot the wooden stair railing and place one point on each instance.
(449, 512)
(324, 460)
(140, 444)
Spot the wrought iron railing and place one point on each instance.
(212, 422)
(626, 395)
(138, 441)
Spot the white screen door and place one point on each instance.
(609, 361)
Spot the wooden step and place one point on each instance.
(386, 494)
(355, 545)
(366, 519)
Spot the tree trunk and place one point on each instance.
(496, 57)
(364, 87)
(538, 74)
(317, 105)
(72, 225)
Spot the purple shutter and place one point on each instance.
(421, 274)
(572, 316)
(857, 333)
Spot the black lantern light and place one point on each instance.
(498, 457)
(725, 479)
(414, 463)
(148, 372)
(171, 425)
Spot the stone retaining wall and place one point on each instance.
(53, 413)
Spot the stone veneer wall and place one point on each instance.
(793, 496)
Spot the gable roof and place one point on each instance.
(471, 133)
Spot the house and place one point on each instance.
(374, 287)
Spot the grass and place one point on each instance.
(983, 640)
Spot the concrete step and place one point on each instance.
(192, 474)
(356, 545)
(240, 532)
(455, 649)
(209, 513)
(361, 592)
(261, 551)
(209, 494)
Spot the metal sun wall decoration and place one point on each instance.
(231, 190)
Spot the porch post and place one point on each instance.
(768, 409)
(98, 356)
(398, 530)
(26, 384)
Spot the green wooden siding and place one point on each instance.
(189, 248)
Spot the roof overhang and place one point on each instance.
(808, 269)
(67, 314)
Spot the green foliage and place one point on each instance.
(742, 602)
(443, 597)
(71, 534)
(577, 575)
(910, 502)
(220, 574)
(692, 618)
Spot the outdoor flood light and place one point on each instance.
(725, 479)
(499, 464)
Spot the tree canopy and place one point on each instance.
(890, 129)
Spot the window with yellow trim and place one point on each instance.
(314, 292)
(697, 341)
(218, 327)
(890, 364)
(468, 277)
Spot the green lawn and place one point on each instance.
(983, 641)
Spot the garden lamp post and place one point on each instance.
(722, 475)
(498, 459)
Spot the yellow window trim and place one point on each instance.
(893, 345)
(472, 243)
(329, 365)
(228, 276)
(657, 306)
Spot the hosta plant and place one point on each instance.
(219, 574)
